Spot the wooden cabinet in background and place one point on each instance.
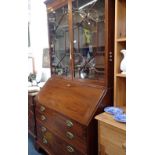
(120, 43)
(112, 135)
(31, 114)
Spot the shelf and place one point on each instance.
(121, 39)
(120, 43)
(121, 75)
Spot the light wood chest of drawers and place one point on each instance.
(111, 135)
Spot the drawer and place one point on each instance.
(54, 144)
(59, 121)
(68, 129)
(111, 140)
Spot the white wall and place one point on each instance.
(39, 35)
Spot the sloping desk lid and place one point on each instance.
(75, 100)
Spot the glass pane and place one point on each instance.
(89, 44)
(59, 41)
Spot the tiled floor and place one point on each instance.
(31, 148)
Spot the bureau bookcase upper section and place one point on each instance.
(81, 35)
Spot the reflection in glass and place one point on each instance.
(88, 30)
(59, 41)
(88, 27)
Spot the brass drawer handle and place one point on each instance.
(42, 108)
(70, 149)
(69, 123)
(68, 85)
(124, 146)
(43, 117)
(69, 135)
(43, 129)
(44, 141)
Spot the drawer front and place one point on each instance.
(60, 122)
(112, 141)
(53, 143)
(71, 131)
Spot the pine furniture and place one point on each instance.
(112, 134)
(120, 43)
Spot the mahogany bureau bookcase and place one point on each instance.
(81, 48)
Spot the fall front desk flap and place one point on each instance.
(71, 98)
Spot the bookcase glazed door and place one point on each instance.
(59, 40)
(81, 39)
(89, 39)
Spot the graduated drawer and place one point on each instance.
(111, 139)
(70, 130)
(54, 144)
